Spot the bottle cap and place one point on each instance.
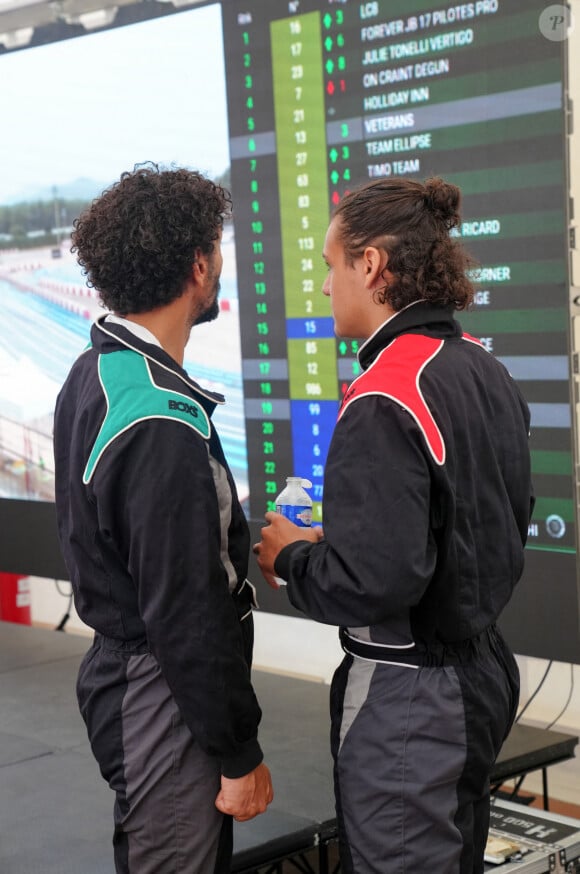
(305, 483)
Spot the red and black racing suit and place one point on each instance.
(427, 499)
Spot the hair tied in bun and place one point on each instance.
(442, 199)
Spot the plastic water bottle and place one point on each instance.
(294, 502)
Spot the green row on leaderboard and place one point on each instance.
(490, 322)
(545, 507)
(549, 547)
(522, 224)
(540, 174)
(487, 133)
(551, 462)
(551, 271)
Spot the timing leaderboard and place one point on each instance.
(324, 96)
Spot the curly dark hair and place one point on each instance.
(137, 241)
(412, 222)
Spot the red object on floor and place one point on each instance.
(15, 598)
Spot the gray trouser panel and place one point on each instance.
(413, 748)
(166, 821)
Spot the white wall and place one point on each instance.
(49, 601)
(563, 779)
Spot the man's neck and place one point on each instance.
(169, 325)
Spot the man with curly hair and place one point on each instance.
(153, 535)
(427, 498)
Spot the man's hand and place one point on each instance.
(275, 536)
(247, 796)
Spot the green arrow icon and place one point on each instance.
(334, 176)
(328, 43)
(329, 66)
(342, 347)
(327, 20)
(333, 155)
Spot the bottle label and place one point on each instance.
(300, 515)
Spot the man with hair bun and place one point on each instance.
(427, 499)
(154, 537)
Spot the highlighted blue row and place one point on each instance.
(306, 329)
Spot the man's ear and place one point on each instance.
(199, 267)
(374, 262)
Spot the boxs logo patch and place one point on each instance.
(184, 408)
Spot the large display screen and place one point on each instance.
(292, 104)
(338, 95)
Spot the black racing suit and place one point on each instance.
(427, 499)
(156, 545)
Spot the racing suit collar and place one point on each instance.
(108, 336)
(419, 317)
